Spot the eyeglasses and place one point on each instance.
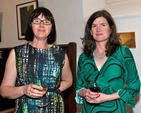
(38, 21)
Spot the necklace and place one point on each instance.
(99, 57)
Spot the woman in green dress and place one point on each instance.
(109, 64)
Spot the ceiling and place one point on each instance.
(119, 1)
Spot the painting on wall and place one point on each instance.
(0, 54)
(128, 39)
(0, 24)
(23, 12)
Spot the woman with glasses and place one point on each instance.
(32, 66)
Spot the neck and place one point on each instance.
(99, 57)
(40, 45)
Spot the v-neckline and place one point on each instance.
(99, 69)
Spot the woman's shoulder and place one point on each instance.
(20, 46)
(58, 48)
(83, 56)
(123, 47)
(124, 51)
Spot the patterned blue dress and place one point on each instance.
(40, 66)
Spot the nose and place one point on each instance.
(98, 28)
(42, 23)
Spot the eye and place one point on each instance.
(36, 21)
(47, 22)
(103, 24)
(93, 25)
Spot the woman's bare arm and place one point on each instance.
(66, 75)
(8, 89)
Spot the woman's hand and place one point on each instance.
(91, 96)
(98, 97)
(33, 91)
(102, 98)
(107, 97)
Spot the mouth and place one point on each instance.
(40, 30)
(99, 34)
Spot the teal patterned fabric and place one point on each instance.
(39, 66)
(118, 70)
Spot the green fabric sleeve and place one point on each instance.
(80, 83)
(131, 77)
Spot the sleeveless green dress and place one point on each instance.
(40, 66)
(118, 70)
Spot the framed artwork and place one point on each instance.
(23, 12)
(1, 14)
(128, 39)
(0, 54)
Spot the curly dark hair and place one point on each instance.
(88, 41)
(29, 35)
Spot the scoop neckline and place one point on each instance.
(40, 48)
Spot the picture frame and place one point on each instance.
(1, 14)
(128, 39)
(23, 12)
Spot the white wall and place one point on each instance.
(89, 6)
(9, 23)
(129, 24)
(69, 20)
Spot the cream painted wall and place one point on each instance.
(125, 9)
(89, 6)
(69, 20)
(9, 23)
(129, 24)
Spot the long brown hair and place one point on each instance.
(89, 43)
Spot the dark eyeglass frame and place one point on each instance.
(38, 21)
